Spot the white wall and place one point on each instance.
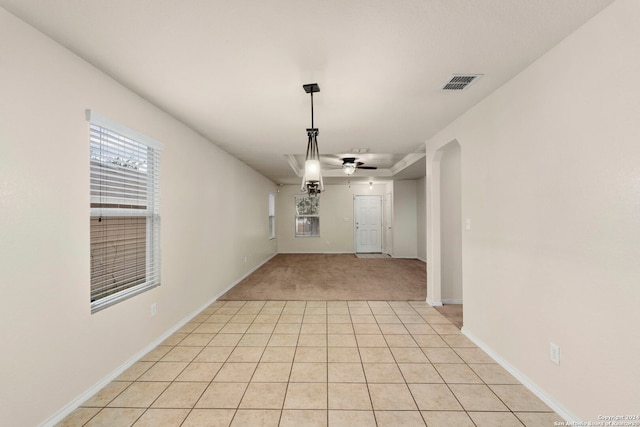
(405, 217)
(421, 203)
(551, 183)
(336, 205)
(451, 224)
(214, 213)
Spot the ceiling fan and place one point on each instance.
(349, 165)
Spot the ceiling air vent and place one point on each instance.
(359, 150)
(460, 81)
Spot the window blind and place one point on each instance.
(272, 216)
(124, 213)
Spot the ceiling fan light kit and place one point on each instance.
(312, 178)
(348, 168)
(349, 165)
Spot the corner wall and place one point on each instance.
(214, 213)
(421, 194)
(451, 224)
(405, 219)
(551, 183)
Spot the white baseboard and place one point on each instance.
(451, 301)
(247, 274)
(557, 407)
(75, 403)
(434, 303)
(315, 252)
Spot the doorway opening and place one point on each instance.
(450, 233)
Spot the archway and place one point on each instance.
(444, 225)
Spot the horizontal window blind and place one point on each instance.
(307, 226)
(125, 214)
(272, 216)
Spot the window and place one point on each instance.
(307, 216)
(272, 216)
(124, 212)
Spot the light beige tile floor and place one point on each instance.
(315, 363)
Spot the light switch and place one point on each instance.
(467, 224)
(554, 353)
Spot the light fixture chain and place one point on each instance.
(312, 126)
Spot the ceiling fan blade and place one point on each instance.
(331, 157)
(367, 167)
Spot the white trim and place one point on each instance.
(100, 120)
(434, 303)
(246, 275)
(451, 301)
(557, 407)
(75, 403)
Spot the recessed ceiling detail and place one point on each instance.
(460, 81)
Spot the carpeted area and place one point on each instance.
(453, 312)
(333, 277)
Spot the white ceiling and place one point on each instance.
(233, 70)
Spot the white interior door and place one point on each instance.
(368, 226)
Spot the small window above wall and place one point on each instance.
(272, 216)
(307, 216)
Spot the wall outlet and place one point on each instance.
(154, 309)
(554, 353)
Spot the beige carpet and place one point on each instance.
(333, 277)
(453, 312)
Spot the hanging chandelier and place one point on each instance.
(312, 178)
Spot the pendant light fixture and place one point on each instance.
(312, 179)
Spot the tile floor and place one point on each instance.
(315, 363)
(453, 312)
